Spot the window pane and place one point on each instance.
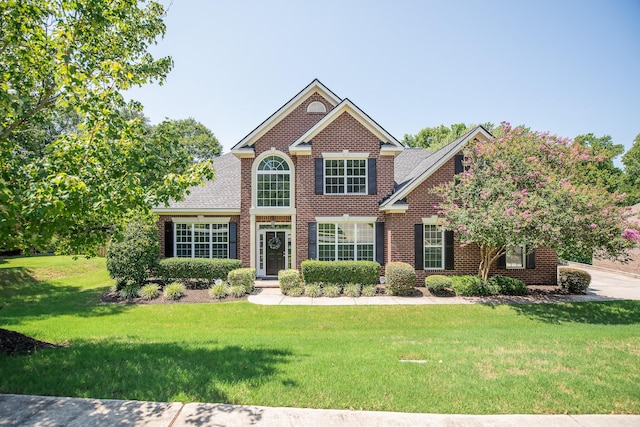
(433, 257)
(365, 252)
(273, 190)
(515, 257)
(326, 252)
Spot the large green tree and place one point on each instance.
(631, 177)
(437, 137)
(603, 172)
(524, 188)
(195, 137)
(78, 182)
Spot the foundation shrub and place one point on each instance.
(438, 283)
(314, 290)
(331, 291)
(296, 291)
(467, 285)
(219, 291)
(243, 277)
(237, 291)
(401, 279)
(196, 272)
(341, 272)
(149, 292)
(288, 279)
(369, 291)
(352, 290)
(508, 285)
(574, 281)
(174, 291)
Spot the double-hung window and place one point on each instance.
(433, 247)
(515, 257)
(202, 240)
(346, 241)
(345, 176)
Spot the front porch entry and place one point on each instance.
(274, 247)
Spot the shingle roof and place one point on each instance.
(407, 161)
(221, 193)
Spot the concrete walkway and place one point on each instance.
(605, 286)
(17, 410)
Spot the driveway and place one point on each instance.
(611, 285)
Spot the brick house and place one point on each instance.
(320, 179)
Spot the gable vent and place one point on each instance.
(316, 107)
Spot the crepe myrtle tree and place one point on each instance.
(523, 188)
(77, 57)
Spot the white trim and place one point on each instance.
(193, 242)
(261, 271)
(304, 150)
(356, 156)
(432, 220)
(346, 218)
(345, 154)
(442, 245)
(196, 211)
(292, 104)
(244, 153)
(201, 220)
(386, 150)
(316, 107)
(402, 208)
(347, 106)
(478, 131)
(266, 211)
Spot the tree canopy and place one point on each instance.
(631, 178)
(195, 137)
(437, 137)
(603, 172)
(525, 188)
(75, 158)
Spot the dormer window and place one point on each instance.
(274, 182)
(316, 107)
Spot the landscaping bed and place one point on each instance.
(190, 296)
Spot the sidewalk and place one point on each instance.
(18, 410)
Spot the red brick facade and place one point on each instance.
(349, 130)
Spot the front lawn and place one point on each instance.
(540, 358)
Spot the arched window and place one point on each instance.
(274, 183)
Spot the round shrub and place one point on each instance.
(313, 290)
(243, 277)
(369, 291)
(438, 283)
(288, 279)
(174, 291)
(237, 291)
(574, 281)
(149, 292)
(296, 291)
(132, 256)
(129, 291)
(401, 279)
(331, 291)
(466, 285)
(353, 290)
(508, 285)
(219, 291)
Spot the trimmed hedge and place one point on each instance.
(205, 270)
(341, 272)
(401, 278)
(438, 283)
(466, 285)
(508, 285)
(131, 258)
(289, 279)
(243, 277)
(574, 281)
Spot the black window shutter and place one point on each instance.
(313, 247)
(448, 250)
(458, 163)
(233, 240)
(419, 246)
(531, 259)
(380, 242)
(502, 261)
(319, 167)
(372, 177)
(168, 239)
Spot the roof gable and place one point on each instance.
(349, 107)
(289, 106)
(425, 168)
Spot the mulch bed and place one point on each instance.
(191, 296)
(12, 342)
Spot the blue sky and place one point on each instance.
(570, 67)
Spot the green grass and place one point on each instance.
(578, 357)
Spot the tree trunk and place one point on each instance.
(487, 257)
